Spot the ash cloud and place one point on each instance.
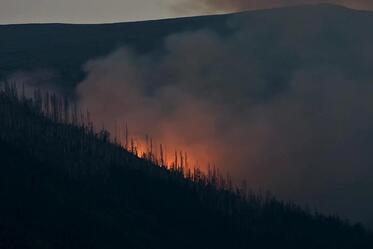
(254, 104)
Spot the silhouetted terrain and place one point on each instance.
(281, 41)
(64, 186)
(64, 48)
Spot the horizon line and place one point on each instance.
(219, 13)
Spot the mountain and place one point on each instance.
(65, 48)
(282, 39)
(62, 185)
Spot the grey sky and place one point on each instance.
(99, 11)
(83, 11)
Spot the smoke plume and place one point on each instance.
(301, 130)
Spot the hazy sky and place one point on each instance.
(83, 11)
(98, 11)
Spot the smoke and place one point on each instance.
(240, 5)
(31, 80)
(242, 102)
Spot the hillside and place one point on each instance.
(288, 90)
(64, 48)
(280, 42)
(65, 186)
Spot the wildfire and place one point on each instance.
(146, 148)
(168, 154)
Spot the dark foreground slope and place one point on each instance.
(63, 186)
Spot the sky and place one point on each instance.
(98, 11)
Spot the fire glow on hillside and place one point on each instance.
(166, 155)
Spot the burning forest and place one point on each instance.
(243, 130)
(55, 132)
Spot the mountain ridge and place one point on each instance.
(64, 48)
(323, 6)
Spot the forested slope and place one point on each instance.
(62, 185)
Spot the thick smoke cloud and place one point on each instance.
(307, 139)
(239, 5)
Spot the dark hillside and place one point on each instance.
(279, 42)
(64, 48)
(64, 186)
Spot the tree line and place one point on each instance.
(143, 201)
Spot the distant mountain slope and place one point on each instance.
(281, 40)
(63, 186)
(65, 48)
